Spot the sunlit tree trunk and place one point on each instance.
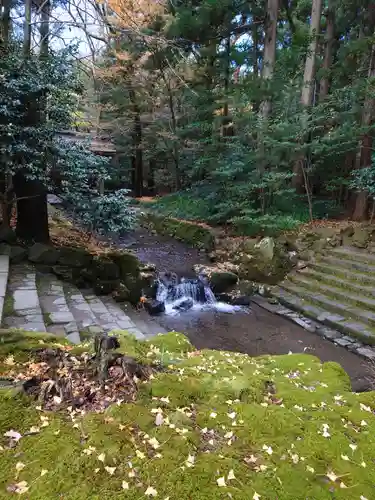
(299, 179)
(328, 50)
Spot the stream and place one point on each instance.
(253, 330)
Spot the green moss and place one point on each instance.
(195, 234)
(216, 407)
(8, 309)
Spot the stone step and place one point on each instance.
(338, 282)
(356, 254)
(109, 316)
(334, 292)
(4, 272)
(58, 319)
(330, 305)
(81, 310)
(352, 276)
(143, 321)
(21, 305)
(301, 303)
(348, 264)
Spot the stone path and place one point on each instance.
(336, 290)
(40, 302)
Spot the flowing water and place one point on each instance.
(214, 325)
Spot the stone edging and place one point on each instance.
(350, 343)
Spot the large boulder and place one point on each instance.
(16, 253)
(361, 237)
(106, 287)
(121, 294)
(105, 268)
(7, 235)
(74, 257)
(268, 263)
(222, 281)
(40, 253)
(154, 307)
(71, 275)
(127, 263)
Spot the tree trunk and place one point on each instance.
(328, 50)
(255, 48)
(361, 204)
(137, 159)
(32, 211)
(299, 178)
(269, 56)
(151, 177)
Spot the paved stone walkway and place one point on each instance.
(40, 302)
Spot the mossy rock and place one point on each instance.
(261, 268)
(127, 263)
(361, 237)
(105, 287)
(194, 234)
(223, 281)
(104, 268)
(40, 253)
(74, 257)
(16, 254)
(221, 433)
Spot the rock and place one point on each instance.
(154, 307)
(127, 263)
(105, 268)
(134, 285)
(7, 235)
(52, 199)
(74, 257)
(40, 253)
(293, 257)
(367, 352)
(121, 294)
(361, 237)
(16, 253)
(223, 297)
(72, 275)
(149, 267)
(347, 235)
(151, 291)
(241, 300)
(222, 281)
(266, 248)
(106, 287)
(168, 279)
(184, 304)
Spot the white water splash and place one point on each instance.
(202, 296)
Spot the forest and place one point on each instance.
(256, 114)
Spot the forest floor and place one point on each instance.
(207, 425)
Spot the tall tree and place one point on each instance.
(300, 180)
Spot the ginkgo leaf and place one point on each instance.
(43, 472)
(310, 469)
(231, 475)
(343, 485)
(353, 446)
(267, 449)
(110, 470)
(256, 496)
(16, 436)
(221, 481)
(125, 485)
(154, 443)
(345, 457)
(19, 466)
(34, 430)
(213, 414)
(332, 476)
(101, 457)
(159, 419)
(151, 492)
(140, 454)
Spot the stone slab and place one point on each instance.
(366, 352)
(4, 264)
(124, 325)
(25, 299)
(61, 317)
(342, 342)
(74, 338)
(137, 333)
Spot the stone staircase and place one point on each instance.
(336, 289)
(40, 302)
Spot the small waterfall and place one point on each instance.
(197, 290)
(188, 294)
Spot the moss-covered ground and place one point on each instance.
(212, 425)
